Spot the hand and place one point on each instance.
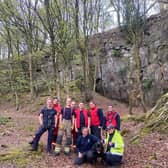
(112, 145)
(99, 127)
(76, 130)
(80, 155)
(72, 127)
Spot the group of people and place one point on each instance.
(83, 130)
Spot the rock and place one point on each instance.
(115, 59)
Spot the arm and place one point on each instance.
(73, 121)
(101, 116)
(118, 121)
(76, 129)
(41, 119)
(89, 121)
(56, 121)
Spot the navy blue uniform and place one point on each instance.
(48, 125)
(84, 146)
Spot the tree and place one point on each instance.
(86, 23)
(134, 17)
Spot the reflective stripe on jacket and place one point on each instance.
(118, 142)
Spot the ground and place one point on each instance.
(17, 128)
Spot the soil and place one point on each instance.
(150, 151)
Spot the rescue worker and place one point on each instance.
(97, 119)
(114, 146)
(84, 147)
(112, 117)
(47, 119)
(74, 134)
(57, 107)
(82, 119)
(65, 126)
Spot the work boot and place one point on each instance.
(67, 150)
(57, 150)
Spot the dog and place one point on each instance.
(98, 151)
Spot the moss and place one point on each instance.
(136, 118)
(147, 84)
(157, 118)
(4, 120)
(20, 156)
(116, 53)
(135, 140)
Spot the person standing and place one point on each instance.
(112, 117)
(97, 119)
(65, 126)
(47, 119)
(57, 107)
(74, 134)
(82, 119)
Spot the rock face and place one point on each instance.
(115, 57)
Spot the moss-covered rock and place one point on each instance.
(157, 117)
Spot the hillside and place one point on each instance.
(17, 128)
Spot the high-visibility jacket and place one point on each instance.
(77, 113)
(117, 140)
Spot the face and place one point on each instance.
(73, 104)
(68, 102)
(49, 103)
(91, 105)
(85, 132)
(55, 101)
(110, 131)
(81, 105)
(110, 108)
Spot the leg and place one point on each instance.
(111, 159)
(68, 137)
(79, 133)
(78, 161)
(96, 131)
(59, 141)
(90, 156)
(50, 138)
(38, 134)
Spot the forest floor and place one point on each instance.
(18, 127)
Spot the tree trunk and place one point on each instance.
(139, 75)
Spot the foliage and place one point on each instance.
(147, 84)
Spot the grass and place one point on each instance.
(20, 156)
(4, 120)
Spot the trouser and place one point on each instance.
(39, 133)
(74, 136)
(79, 133)
(87, 157)
(55, 133)
(111, 159)
(65, 127)
(96, 131)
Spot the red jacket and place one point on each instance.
(111, 118)
(95, 120)
(85, 113)
(57, 107)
